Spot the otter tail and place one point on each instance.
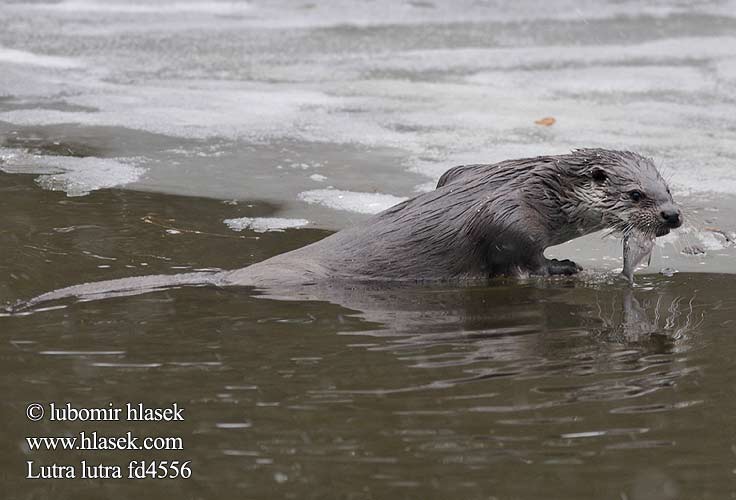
(121, 288)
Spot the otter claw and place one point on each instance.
(566, 267)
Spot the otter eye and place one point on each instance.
(599, 175)
(636, 195)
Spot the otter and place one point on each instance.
(488, 220)
(481, 221)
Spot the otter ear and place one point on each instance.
(599, 175)
(452, 174)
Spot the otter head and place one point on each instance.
(629, 193)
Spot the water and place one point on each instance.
(142, 138)
(576, 388)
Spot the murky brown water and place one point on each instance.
(563, 389)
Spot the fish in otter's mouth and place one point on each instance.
(637, 247)
(639, 242)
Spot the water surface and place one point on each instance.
(576, 388)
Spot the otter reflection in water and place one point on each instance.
(527, 323)
(481, 221)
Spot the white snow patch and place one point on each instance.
(318, 177)
(363, 203)
(264, 224)
(74, 176)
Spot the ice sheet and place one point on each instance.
(75, 176)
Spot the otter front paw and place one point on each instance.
(566, 267)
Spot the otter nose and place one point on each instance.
(671, 217)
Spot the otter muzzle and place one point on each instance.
(672, 217)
